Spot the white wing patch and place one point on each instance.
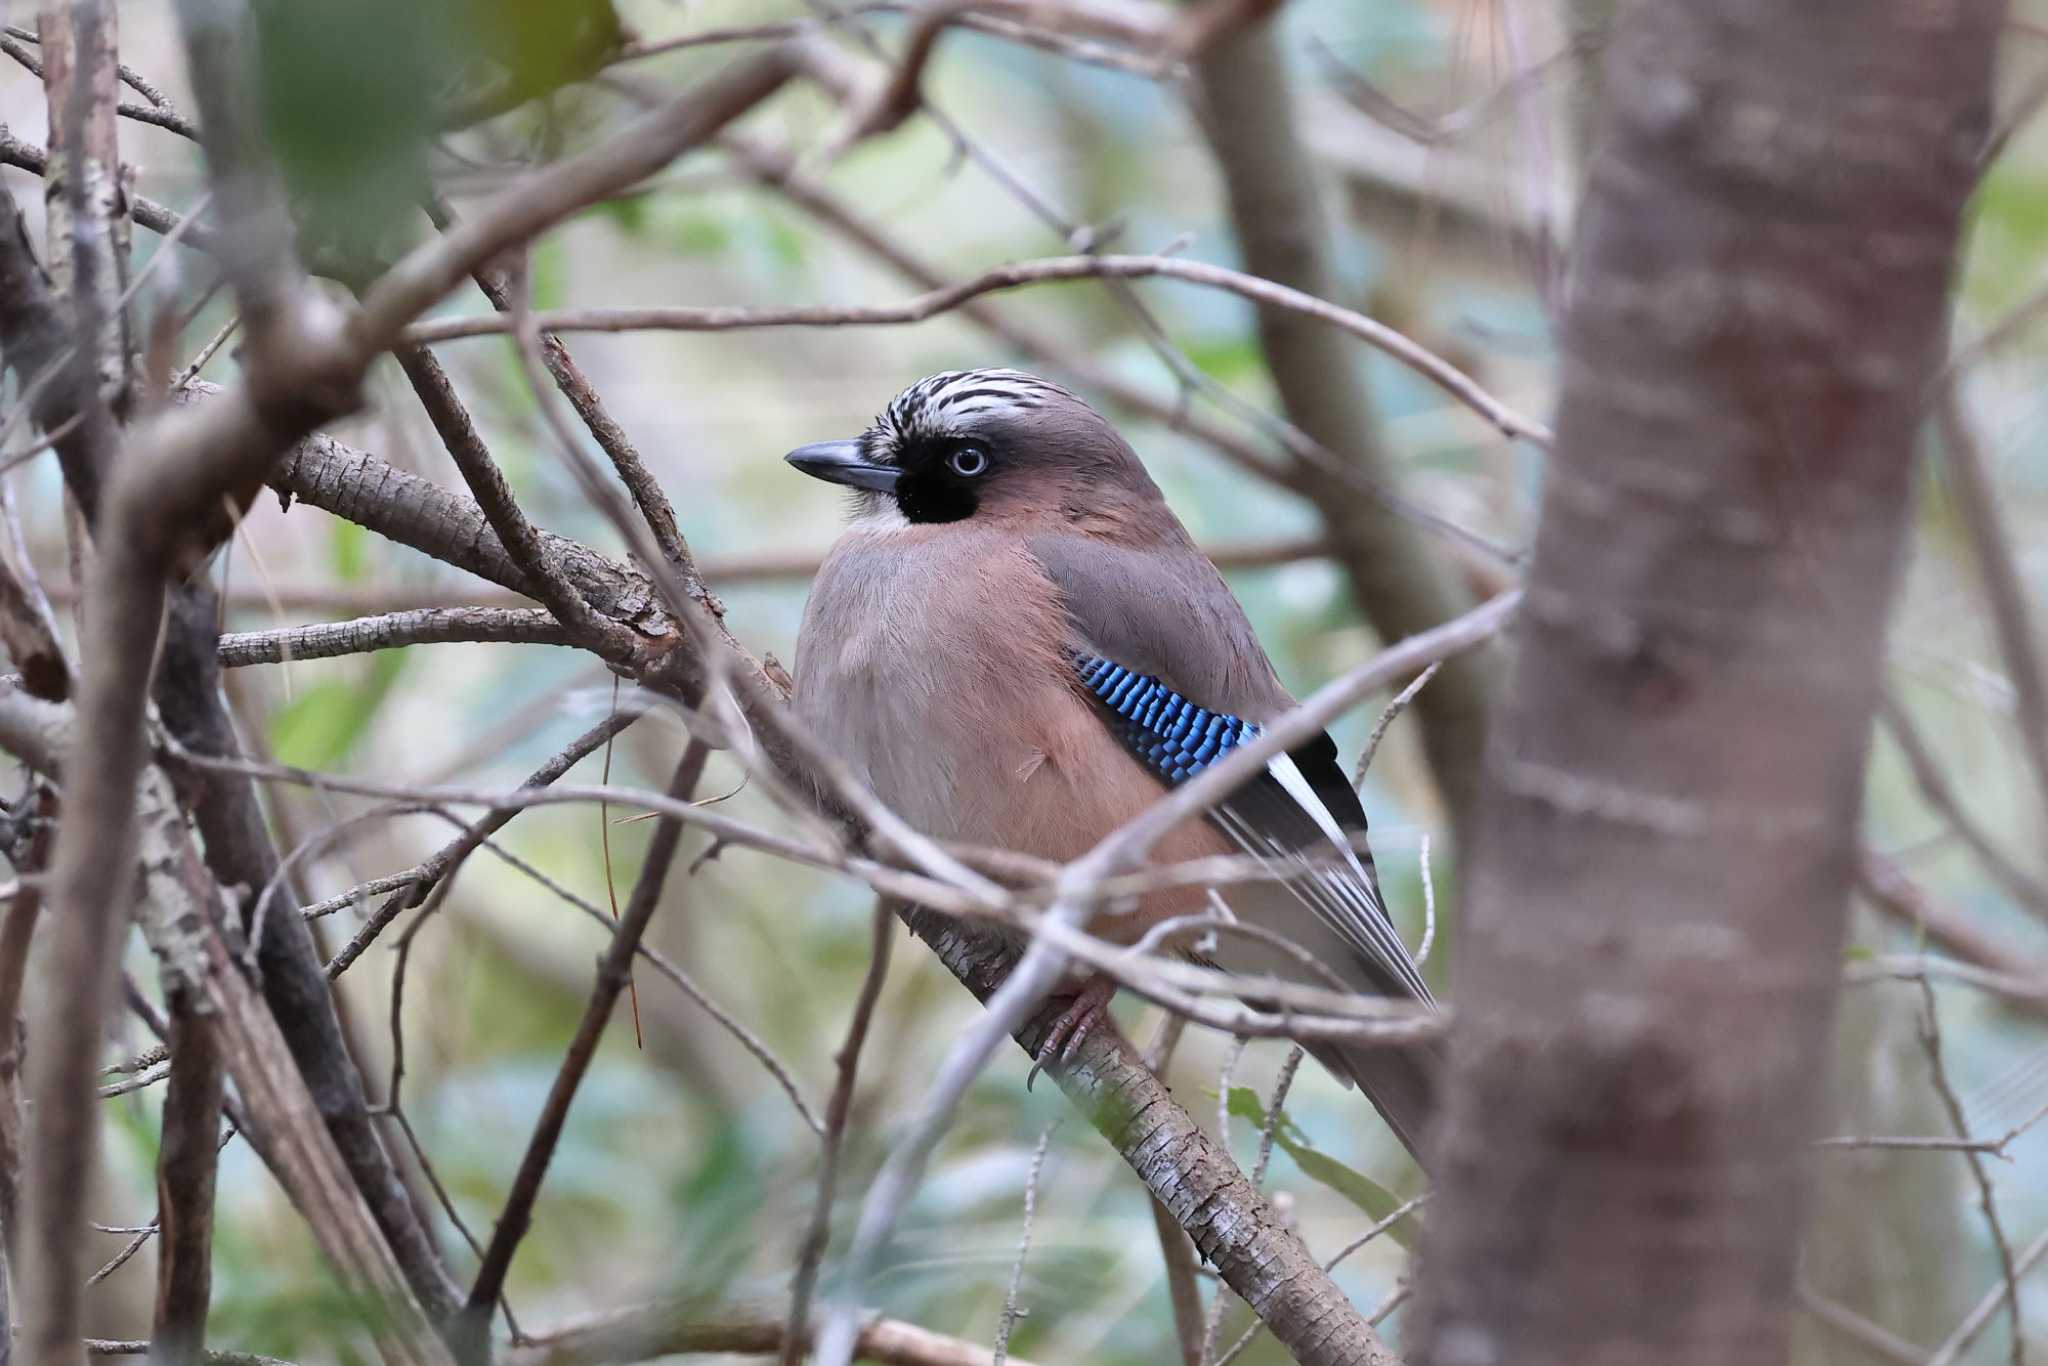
(1342, 897)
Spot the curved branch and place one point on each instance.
(1432, 367)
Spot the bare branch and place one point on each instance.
(416, 884)
(751, 1327)
(1970, 484)
(776, 169)
(625, 457)
(82, 194)
(240, 853)
(178, 903)
(1232, 1227)
(1930, 1041)
(1387, 719)
(493, 492)
(1958, 1342)
(1859, 1329)
(797, 1331)
(100, 1348)
(187, 1164)
(415, 512)
(1428, 364)
(1401, 582)
(1182, 1289)
(1011, 1313)
(666, 967)
(158, 218)
(739, 567)
(528, 209)
(440, 625)
(613, 972)
(1939, 794)
(17, 935)
(1897, 894)
(37, 341)
(29, 633)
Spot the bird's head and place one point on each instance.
(986, 443)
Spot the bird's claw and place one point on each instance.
(1063, 1041)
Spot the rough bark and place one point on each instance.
(242, 856)
(186, 1177)
(1398, 576)
(1665, 847)
(1233, 1228)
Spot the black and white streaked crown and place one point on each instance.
(936, 404)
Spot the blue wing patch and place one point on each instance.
(1163, 730)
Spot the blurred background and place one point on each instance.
(1446, 136)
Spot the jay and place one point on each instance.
(1016, 643)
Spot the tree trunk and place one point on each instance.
(1665, 844)
(1398, 575)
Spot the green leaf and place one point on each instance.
(353, 177)
(1361, 1190)
(542, 44)
(319, 727)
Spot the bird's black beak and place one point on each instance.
(839, 462)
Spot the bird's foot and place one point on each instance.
(1075, 1024)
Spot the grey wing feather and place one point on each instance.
(1169, 615)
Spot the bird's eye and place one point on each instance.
(968, 461)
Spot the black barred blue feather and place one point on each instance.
(1166, 732)
(1299, 804)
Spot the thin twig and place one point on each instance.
(1011, 1313)
(666, 967)
(493, 493)
(1973, 1322)
(418, 882)
(1428, 904)
(613, 972)
(1387, 718)
(1892, 890)
(1858, 1329)
(1281, 1087)
(1408, 352)
(1930, 1041)
(1990, 1147)
(1976, 496)
(1941, 795)
(797, 1332)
